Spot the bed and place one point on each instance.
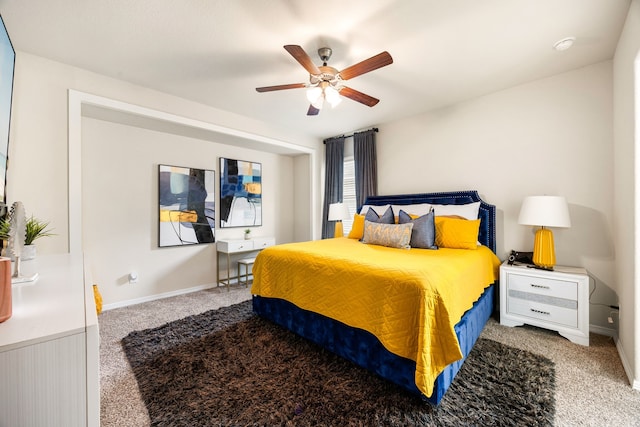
(399, 322)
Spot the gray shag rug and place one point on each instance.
(229, 367)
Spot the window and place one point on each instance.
(349, 192)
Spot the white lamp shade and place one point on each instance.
(319, 103)
(332, 96)
(338, 212)
(546, 211)
(314, 93)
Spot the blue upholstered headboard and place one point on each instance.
(487, 212)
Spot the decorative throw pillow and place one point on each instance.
(380, 209)
(357, 229)
(423, 234)
(417, 209)
(390, 235)
(457, 233)
(386, 218)
(468, 210)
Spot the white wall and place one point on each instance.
(120, 207)
(38, 164)
(552, 136)
(626, 80)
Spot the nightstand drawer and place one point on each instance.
(548, 313)
(544, 286)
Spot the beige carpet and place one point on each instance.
(592, 388)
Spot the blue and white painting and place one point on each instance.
(240, 193)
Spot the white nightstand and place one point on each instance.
(556, 300)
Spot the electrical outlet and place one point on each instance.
(133, 277)
(610, 319)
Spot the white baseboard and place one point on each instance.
(157, 296)
(635, 384)
(610, 332)
(626, 367)
(601, 330)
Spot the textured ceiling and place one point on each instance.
(217, 52)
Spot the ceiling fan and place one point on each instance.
(326, 83)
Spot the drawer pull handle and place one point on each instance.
(540, 311)
(533, 285)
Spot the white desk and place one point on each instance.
(230, 247)
(50, 348)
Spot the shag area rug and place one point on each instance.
(229, 367)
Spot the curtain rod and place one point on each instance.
(349, 136)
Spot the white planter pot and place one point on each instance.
(28, 252)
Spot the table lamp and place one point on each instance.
(544, 211)
(338, 212)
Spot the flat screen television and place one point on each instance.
(7, 67)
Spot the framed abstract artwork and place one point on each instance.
(240, 193)
(187, 206)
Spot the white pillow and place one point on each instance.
(468, 211)
(418, 209)
(380, 210)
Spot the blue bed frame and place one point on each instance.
(362, 347)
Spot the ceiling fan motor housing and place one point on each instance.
(327, 74)
(325, 54)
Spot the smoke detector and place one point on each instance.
(564, 44)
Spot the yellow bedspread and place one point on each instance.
(409, 299)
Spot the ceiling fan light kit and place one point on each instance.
(323, 91)
(326, 83)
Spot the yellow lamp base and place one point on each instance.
(544, 254)
(337, 231)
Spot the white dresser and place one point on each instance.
(233, 247)
(50, 348)
(556, 300)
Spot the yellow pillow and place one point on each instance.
(457, 233)
(357, 229)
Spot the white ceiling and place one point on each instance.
(217, 52)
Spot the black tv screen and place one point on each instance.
(7, 67)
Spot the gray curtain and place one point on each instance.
(366, 165)
(334, 171)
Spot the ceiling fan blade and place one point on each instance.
(281, 87)
(360, 97)
(301, 56)
(373, 63)
(313, 111)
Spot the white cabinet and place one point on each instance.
(556, 300)
(231, 247)
(49, 348)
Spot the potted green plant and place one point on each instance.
(34, 229)
(247, 234)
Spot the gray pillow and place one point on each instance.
(386, 218)
(423, 234)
